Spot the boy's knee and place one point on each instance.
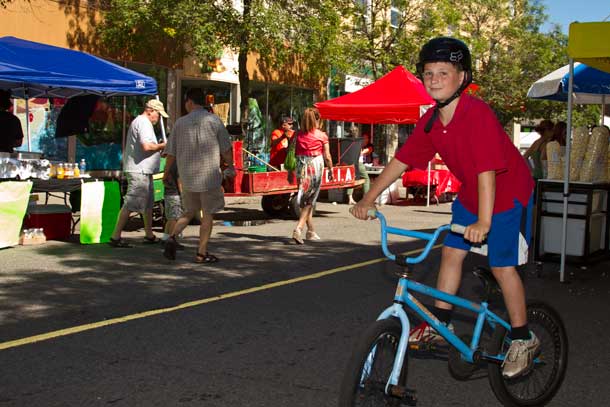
(454, 254)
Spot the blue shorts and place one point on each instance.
(508, 239)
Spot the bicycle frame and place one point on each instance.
(404, 298)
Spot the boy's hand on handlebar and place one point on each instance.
(477, 232)
(361, 210)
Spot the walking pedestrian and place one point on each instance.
(199, 140)
(311, 152)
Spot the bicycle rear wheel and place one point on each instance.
(540, 385)
(370, 367)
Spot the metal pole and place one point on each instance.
(162, 124)
(566, 175)
(428, 194)
(124, 138)
(27, 120)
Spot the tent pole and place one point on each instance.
(566, 176)
(27, 120)
(428, 194)
(162, 124)
(124, 125)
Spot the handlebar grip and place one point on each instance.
(455, 228)
(372, 213)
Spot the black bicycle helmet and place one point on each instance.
(446, 49)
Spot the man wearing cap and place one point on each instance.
(279, 141)
(141, 160)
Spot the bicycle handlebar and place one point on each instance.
(401, 259)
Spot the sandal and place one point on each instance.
(296, 236)
(120, 243)
(206, 258)
(151, 240)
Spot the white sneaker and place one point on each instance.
(520, 356)
(425, 333)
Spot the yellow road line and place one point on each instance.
(87, 327)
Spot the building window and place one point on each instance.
(362, 22)
(395, 14)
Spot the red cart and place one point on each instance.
(276, 191)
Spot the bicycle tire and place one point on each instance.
(539, 386)
(384, 336)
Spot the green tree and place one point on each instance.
(379, 34)
(291, 34)
(509, 53)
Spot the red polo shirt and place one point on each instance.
(472, 143)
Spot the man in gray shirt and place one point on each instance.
(198, 142)
(141, 160)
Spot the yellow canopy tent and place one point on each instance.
(587, 43)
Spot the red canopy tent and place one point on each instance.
(393, 99)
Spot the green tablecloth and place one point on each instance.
(100, 206)
(14, 197)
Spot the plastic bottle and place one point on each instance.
(39, 236)
(69, 170)
(60, 171)
(82, 167)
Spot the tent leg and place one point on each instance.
(566, 175)
(27, 121)
(428, 194)
(162, 124)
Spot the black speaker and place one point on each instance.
(345, 150)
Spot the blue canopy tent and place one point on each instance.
(32, 70)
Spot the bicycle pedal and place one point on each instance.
(410, 398)
(422, 346)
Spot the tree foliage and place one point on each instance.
(280, 32)
(509, 50)
(350, 36)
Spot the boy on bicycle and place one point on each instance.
(495, 200)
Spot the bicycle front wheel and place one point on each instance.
(370, 367)
(539, 386)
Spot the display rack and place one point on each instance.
(588, 226)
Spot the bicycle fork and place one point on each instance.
(392, 388)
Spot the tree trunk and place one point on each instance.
(244, 87)
(244, 79)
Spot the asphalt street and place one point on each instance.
(271, 324)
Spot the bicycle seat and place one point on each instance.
(490, 284)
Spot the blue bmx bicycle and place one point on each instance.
(376, 374)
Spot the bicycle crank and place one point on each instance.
(407, 396)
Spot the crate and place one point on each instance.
(55, 220)
(550, 230)
(577, 202)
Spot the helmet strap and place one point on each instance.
(440, 105)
